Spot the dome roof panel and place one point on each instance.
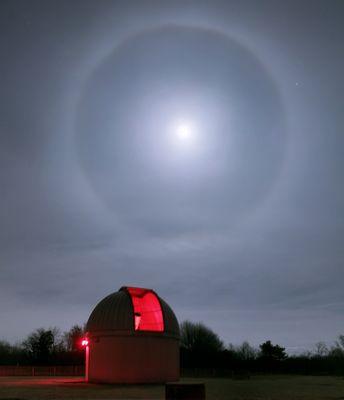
(114, 312)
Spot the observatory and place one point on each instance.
(132, 337)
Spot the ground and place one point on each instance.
(279, 387)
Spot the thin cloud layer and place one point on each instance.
(243, 231)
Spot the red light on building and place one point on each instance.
(84, 342)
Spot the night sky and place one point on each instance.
(191, 147)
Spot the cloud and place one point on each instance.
(245, 235)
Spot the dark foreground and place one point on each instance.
(280, 387)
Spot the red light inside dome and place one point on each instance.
(137, 321)
(84, 342)
(147, 310)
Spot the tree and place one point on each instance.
(321, 349)
(268, 351)
(337, 351)
(246, 351)
(197, 337)
(10, 354)
(42, 344)
(200, 346)
(5, 352)
(73, 337)
(340, 342)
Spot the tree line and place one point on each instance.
(46, 347)
(200, 348)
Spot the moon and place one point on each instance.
(184, 131)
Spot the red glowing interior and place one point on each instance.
(147, 310)
(84, 342)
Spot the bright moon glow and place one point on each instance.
(184, 136)
(184, 131)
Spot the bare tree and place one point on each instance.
(247, 352)
(337, 350)
(340, 342)
(321, 350)
(72, 338)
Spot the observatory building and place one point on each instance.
(132, 337)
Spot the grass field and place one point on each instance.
(280, 387)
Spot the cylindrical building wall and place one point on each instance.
(133, 359)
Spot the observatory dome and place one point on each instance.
(133, 337)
